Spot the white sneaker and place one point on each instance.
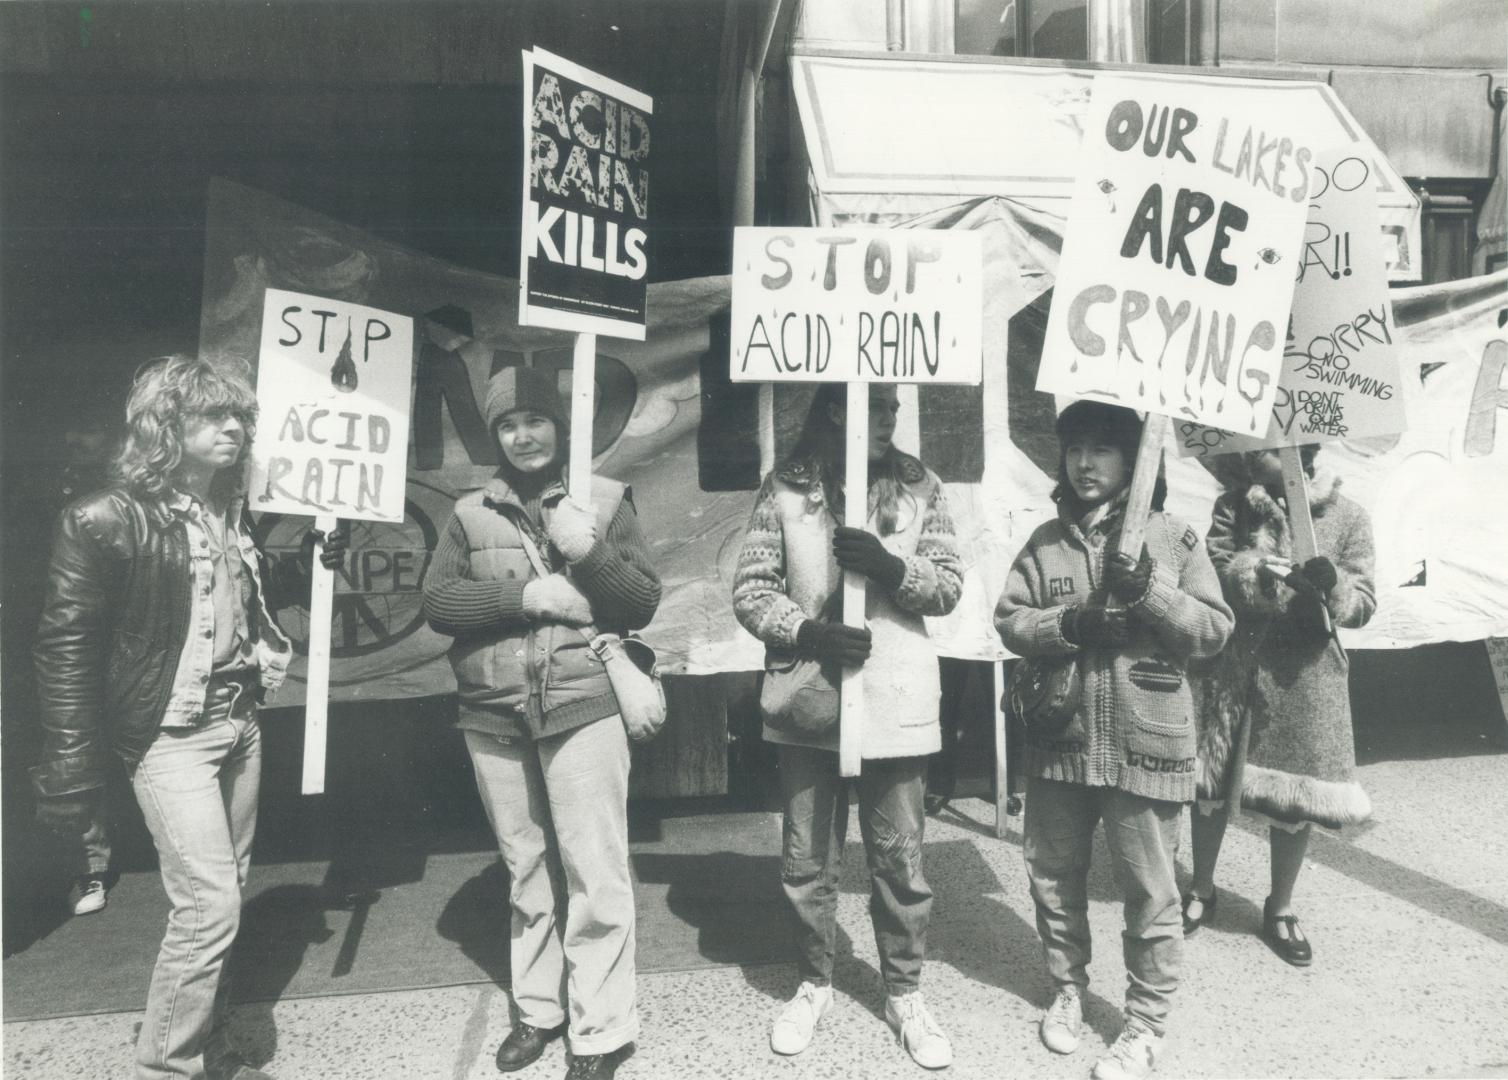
(1131, 1056)
(798, 1021)
(1061, 1022)
(917, 1031)
(92, 896)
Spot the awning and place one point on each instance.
(890, 138)
(1492, 222)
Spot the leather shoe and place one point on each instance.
(524, 1044)
(1293, 947)
(593, 1066)
(1206, 913)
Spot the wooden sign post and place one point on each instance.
(1143, 483)
(317, 679)
(855, 306)
(1300, 520)
(334, 382)
(583, 384)
(855, 516)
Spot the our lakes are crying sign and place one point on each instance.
(334, 381)
(856, 305)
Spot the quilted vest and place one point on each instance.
(498, 674)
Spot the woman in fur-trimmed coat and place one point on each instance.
(1275, 707)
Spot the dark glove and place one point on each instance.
(1094, 626)
(863, 553)
(1320, 572)
(1309, 616)
(69, 814)
(1126, 578)
(833, 642)
(337, 543)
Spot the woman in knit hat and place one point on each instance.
(1275, 707)
(522, 567)
(1125, 756)
(785, 593)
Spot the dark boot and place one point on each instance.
(524, 1044)
(593, 1066)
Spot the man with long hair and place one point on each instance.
(156, 644)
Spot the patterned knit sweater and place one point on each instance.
(1135, 726)
(786, 572)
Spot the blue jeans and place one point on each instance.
(197, 787)
(891, 820)
(1142, 835)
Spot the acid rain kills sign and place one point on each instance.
(1178, 264)
(584, 265)
(333, 387)
(856, 305)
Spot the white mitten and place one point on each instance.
(556, 599)
(573, 529)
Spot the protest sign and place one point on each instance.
(1177, 268)
(1339, 377)
(584, 263)
(333, 386)
(667, 428)
(856, 305)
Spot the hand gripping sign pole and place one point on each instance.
(1300, 520)
(334, 381)
(855, 306)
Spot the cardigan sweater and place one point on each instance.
(786, 572)
(519, 676)
(1134, 728)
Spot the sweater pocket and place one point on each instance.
(1155, 695)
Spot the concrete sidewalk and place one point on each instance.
(1409, 921)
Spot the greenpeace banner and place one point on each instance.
(586, 200)
(1340, 365)
(1179, 261)
(670, 423)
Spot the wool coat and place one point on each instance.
(1134, 728)
(786, 573)
(1275, 706)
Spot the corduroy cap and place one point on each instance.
(525, 388)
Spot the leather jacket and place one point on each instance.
(113, 628)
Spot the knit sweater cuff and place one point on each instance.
(590, 564)
(1161, 591)
(510, 599)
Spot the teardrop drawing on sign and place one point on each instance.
(1109, 189)
(343, 374)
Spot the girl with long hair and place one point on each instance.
(785, 593)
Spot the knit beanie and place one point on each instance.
(526, 388)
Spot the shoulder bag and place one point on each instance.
(632, 667)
